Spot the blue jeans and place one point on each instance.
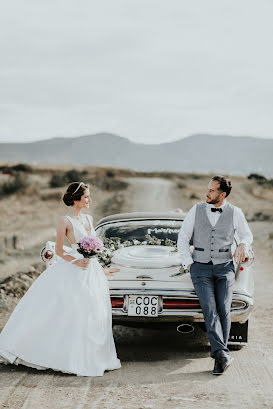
(213, 285)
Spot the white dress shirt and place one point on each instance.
(186, 231)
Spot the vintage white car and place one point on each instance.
(152, 289)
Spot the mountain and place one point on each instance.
(196, 153)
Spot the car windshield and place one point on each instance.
(138, 229)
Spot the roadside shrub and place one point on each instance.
(16, 185)
(256, 177)
(108, 184)
(194, 196)
(197, 176)
(22, 167)
(73, 175)
(261, 180)
(6, 170)
(110, 173)
(268, 183)
(261, 217)
(50, 194)
(59, 179)
(181, 185)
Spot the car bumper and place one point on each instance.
(120, 315)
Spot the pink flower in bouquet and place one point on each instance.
(90, 243)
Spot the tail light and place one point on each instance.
(178, 303)
(117, 302)
(238, 305)
(46, 255)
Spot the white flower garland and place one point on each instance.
(114, 243)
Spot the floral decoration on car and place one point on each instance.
(114, 243)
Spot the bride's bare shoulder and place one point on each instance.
(63, 222)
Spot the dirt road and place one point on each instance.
(163, 370)
(151, 195)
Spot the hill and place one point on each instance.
(196, 153)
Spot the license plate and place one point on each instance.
(143, 306)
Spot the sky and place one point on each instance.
(152, 71)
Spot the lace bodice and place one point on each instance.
(79, 229)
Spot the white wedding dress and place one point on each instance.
(64, 321)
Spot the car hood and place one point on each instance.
(147, 256)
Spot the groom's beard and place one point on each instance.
(213, 201)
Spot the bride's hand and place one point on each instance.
(83, 262)
(111, 270)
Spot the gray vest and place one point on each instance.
(213, 243)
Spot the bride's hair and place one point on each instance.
(74, 192)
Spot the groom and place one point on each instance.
(212, 225)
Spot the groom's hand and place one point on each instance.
(240, 254)
(189, 266)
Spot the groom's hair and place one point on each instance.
(225, 184)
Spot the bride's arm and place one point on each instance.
(61, 233)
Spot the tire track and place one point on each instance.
(19, 392)
(9, 389)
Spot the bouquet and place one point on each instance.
(90, 246)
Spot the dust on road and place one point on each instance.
(163, 369)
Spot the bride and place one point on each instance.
(64, 321)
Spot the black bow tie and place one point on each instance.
(215, 209)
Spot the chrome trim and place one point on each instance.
(123, 291)
(185, 325)
(135, 216)
(194, 315)
(179, 315)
